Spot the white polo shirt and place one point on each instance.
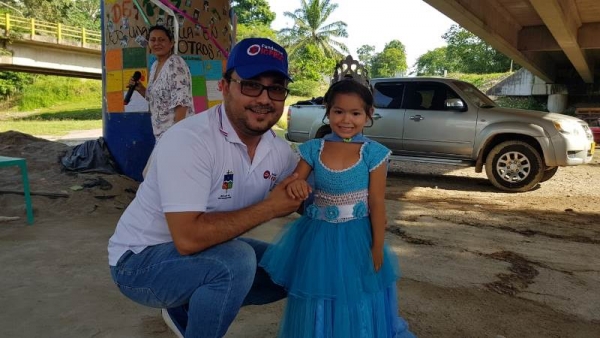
(200, 165)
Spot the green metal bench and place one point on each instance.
(20, 162)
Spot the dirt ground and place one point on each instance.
(476, 262)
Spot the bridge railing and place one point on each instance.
(39, 30)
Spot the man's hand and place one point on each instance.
(280, 202)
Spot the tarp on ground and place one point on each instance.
(90, 156)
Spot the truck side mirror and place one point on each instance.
(455, 104)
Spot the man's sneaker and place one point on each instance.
(172, 323)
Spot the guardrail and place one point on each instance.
(49, 32)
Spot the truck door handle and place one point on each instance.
(376, 116)
(417, 118)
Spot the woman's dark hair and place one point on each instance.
(349, 86)
(161, 28)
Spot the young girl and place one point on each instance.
(340, 277)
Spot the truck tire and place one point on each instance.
(514, 166)
(549, 173)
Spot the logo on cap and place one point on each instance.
(253, 50)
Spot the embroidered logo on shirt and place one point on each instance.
(268, 175)
(227, 185)
(272, 177)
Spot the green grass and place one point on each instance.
(57, 120)
(48, 128)
(55, 106)
(48, 91)
(483, 82)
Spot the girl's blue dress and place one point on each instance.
(324, 258)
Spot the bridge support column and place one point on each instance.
(557, 103)
(203, 38)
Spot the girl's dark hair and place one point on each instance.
(349, 86)
(161, 28)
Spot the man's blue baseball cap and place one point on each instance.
(254, 56)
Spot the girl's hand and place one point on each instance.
(298, 189)
(377, 254)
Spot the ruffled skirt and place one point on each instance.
(333, 289)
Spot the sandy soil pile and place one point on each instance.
(85, 193)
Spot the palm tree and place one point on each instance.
(310, 28)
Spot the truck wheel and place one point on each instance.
(548, 174)
(514, 166)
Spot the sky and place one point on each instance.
(376, 22)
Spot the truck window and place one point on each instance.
(477, 97)
(428, 96)
(388, 95)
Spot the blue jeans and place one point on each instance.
(209, 286)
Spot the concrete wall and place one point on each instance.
(524, 83)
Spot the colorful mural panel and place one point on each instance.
(203, 38)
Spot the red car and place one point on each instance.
(592, 117)
(594, 124)
(596, 132)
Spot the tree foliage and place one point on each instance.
(253, 12)
(310, 63)
(473, 55)
(391, 61)
(255, 31)
(434, 62)
(365, 55)
(82, 13)
(12, 83)
(85, 13)
(311, 28)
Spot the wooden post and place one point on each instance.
(32, 28)
(7, 17)
(59, 32)
(83, 37)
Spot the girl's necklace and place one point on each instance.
(358, 138)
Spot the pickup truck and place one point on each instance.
(447, 121)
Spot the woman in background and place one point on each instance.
(169, 91)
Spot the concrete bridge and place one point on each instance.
(40, 47)
(556, 41)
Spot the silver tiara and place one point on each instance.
(349, 68)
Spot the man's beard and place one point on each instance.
(265, 111)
